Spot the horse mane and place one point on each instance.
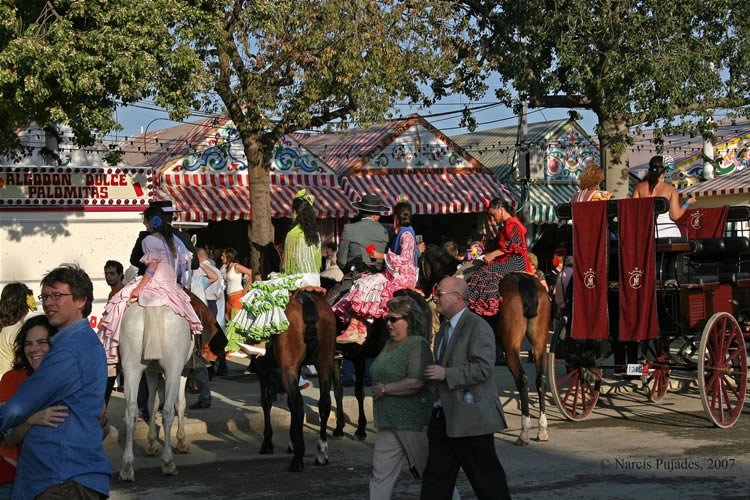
(270, 260)
(437, 264)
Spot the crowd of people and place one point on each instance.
(435, 405)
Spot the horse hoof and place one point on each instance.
(266, 449)
(296, 465)
(182, 447)
(543, 436)
(169, 469)
(323, 461)
(151, 450)
(337, 434)
(127, 473)
(360, 435)
(289, 450)
(521, 442)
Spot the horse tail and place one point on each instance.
(529, 294)
(153, 332)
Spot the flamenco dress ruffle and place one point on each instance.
(262, 314)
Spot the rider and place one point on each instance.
(262, 313)
(356, 236)
(371, 292)
(511, 255)
(165, 258)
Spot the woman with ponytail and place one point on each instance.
(166, 258)
(654, 185)
(510, 255)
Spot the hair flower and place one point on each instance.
(370, 249)
(31, 302)
(302, 193)
(155, 222)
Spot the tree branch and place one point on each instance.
(638, 118)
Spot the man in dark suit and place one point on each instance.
(468, 411)
(356, 237)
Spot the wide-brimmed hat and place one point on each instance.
(371, 203)
(166, 206)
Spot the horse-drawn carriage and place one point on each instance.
(687, 308)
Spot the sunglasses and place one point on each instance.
(393, 319)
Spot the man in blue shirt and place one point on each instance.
(67, 461)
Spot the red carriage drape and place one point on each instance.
(637, 246)
(590, 249)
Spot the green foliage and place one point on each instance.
(73, 61)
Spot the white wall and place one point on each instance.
(34, 242)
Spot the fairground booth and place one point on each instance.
(558, 151)
(201, 167)
(447, 187)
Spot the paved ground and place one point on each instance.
(628, 448)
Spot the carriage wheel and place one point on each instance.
(656, 382)
(574, 379)
(722, 370)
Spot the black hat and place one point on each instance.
(371, 203)
(165, 205)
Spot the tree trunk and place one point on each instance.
(613, 135)
(261, 229)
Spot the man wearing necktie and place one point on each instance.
(468, 411)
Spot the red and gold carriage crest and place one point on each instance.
(589, 279)
(696, 220)
(636, 278)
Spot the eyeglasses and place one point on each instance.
(55, 297)
(440, 293)
(393, 319)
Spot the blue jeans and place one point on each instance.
(201, 380)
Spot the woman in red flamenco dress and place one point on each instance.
(511, 255)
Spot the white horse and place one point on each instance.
(160, 334)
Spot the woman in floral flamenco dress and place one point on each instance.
(370, 293)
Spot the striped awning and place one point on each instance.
(214, 197)
(545, 197)
(429, 193)
(734, 183)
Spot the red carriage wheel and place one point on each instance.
(574, 379)
(722, 370)
(656, 382)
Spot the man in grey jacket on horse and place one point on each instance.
(356, 237)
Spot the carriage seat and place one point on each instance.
(718, 258)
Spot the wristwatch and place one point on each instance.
(383, 386)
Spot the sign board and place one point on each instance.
(75, 188)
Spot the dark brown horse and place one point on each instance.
(310, 339)
(377, 335)
(525, 311)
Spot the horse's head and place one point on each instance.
(270, 260)
(436, 264)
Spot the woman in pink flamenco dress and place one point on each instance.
(166, 258)
(370, 293)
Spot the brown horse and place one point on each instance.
(310, 339)
(525, 311)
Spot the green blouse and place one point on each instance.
(299, 257)
(407, 360)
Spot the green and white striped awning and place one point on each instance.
(543, 199)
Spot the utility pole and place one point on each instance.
(524, 160)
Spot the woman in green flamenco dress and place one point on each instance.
(262, 313)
